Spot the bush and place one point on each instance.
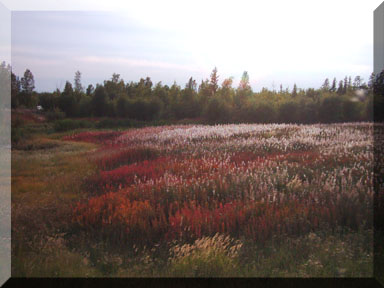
(128, 123)
(69, 124)
(55, 114)
(16, 131)
(47, 101)
(114, 123)
(16, 135)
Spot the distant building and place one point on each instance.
(378, 33)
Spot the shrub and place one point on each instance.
(116, 158)
(70, 124)
(16, 131)
(55, 114)
(114, 123)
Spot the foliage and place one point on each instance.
(55, 114)
(144, 101)
(191, 191)
(272, 200)
(70, 124)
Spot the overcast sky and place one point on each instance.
(277, 42)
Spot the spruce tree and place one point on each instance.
(340, 89)
(333, 87)
(325, 85)
(294, 90)
(213, 83)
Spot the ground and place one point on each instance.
(193, 200)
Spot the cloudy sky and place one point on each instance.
(277, 42)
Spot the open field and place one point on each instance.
(191, 200)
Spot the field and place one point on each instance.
(243, 200)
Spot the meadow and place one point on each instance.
(242, 200)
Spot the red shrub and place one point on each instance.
(129, 174)
(115, 157)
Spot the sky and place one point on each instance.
(276, 42)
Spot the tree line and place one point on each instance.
(212, 100)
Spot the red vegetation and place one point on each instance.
(115, 157)
(150, 198)
(130, 220)
(129, 174)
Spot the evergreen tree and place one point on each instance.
(27, 82)
(294, 90)
(345, 87)
(28, 85)
(357, 82)
(148, 83)
(371, 81)
(115, 78)
(115, 87)
(188, 105)
(67, 100)
(77, 81)
(204, 92)
(340, 89)
(15, 90)
(325, 85)
(213, 83)
(333, 87)
(90, 90)
(99, 101)
(191, 85)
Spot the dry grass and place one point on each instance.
(44, 186)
